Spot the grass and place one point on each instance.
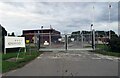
(107, 53)
(8, 55)
(88, 46)
(9, 65)
(105, 50)
(0, 63)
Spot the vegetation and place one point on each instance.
(107, 53)
(114, 44)
(105, 50)
(10, 61)
(10, 65)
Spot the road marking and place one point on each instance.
(97, 58)
(39, 57)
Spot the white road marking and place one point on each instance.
(97, 58)
(39, 57)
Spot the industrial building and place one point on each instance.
(50, 35)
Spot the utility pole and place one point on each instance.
(92, 29)
(109, 19)
(93, 20)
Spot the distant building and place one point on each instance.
(3, 33)
(50, 35)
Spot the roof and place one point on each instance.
(37, 29)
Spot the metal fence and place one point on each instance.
(63, 42)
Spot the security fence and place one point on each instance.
(63, 42)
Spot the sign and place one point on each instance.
(27, 41)
(14, 42)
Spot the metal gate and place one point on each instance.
(64, 42)
(61, 42)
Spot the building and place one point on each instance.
(50, 35)
(3, 33)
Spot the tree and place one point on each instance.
(12, 34)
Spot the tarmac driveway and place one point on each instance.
(72, 63)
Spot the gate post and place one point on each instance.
(82, 39)
(38, 40)
(93, 39)
(66, 42)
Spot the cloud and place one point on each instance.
(63, 16)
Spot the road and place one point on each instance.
(70, 46)
(72, 63)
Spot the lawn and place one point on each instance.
(11, 65)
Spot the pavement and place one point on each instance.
(71, 63)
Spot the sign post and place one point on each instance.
(66, 43)
(82, 40)
(4, 50)
(14, 42)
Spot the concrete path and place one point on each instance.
(72, 63)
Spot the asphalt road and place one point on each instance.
(72, 63)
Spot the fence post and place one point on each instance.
(4, 50)
(66, 42)
(82, 39)
(93, 39)
(38, 40)
(50, 38)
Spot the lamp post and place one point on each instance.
(92, 30)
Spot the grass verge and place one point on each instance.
(107, 53)
(105, 50)
(10, 65)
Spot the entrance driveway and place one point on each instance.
(72, 63)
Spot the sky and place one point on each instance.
(65, 17)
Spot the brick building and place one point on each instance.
(50, 35)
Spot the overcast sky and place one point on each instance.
(63, 16)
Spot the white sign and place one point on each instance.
(12, 42)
